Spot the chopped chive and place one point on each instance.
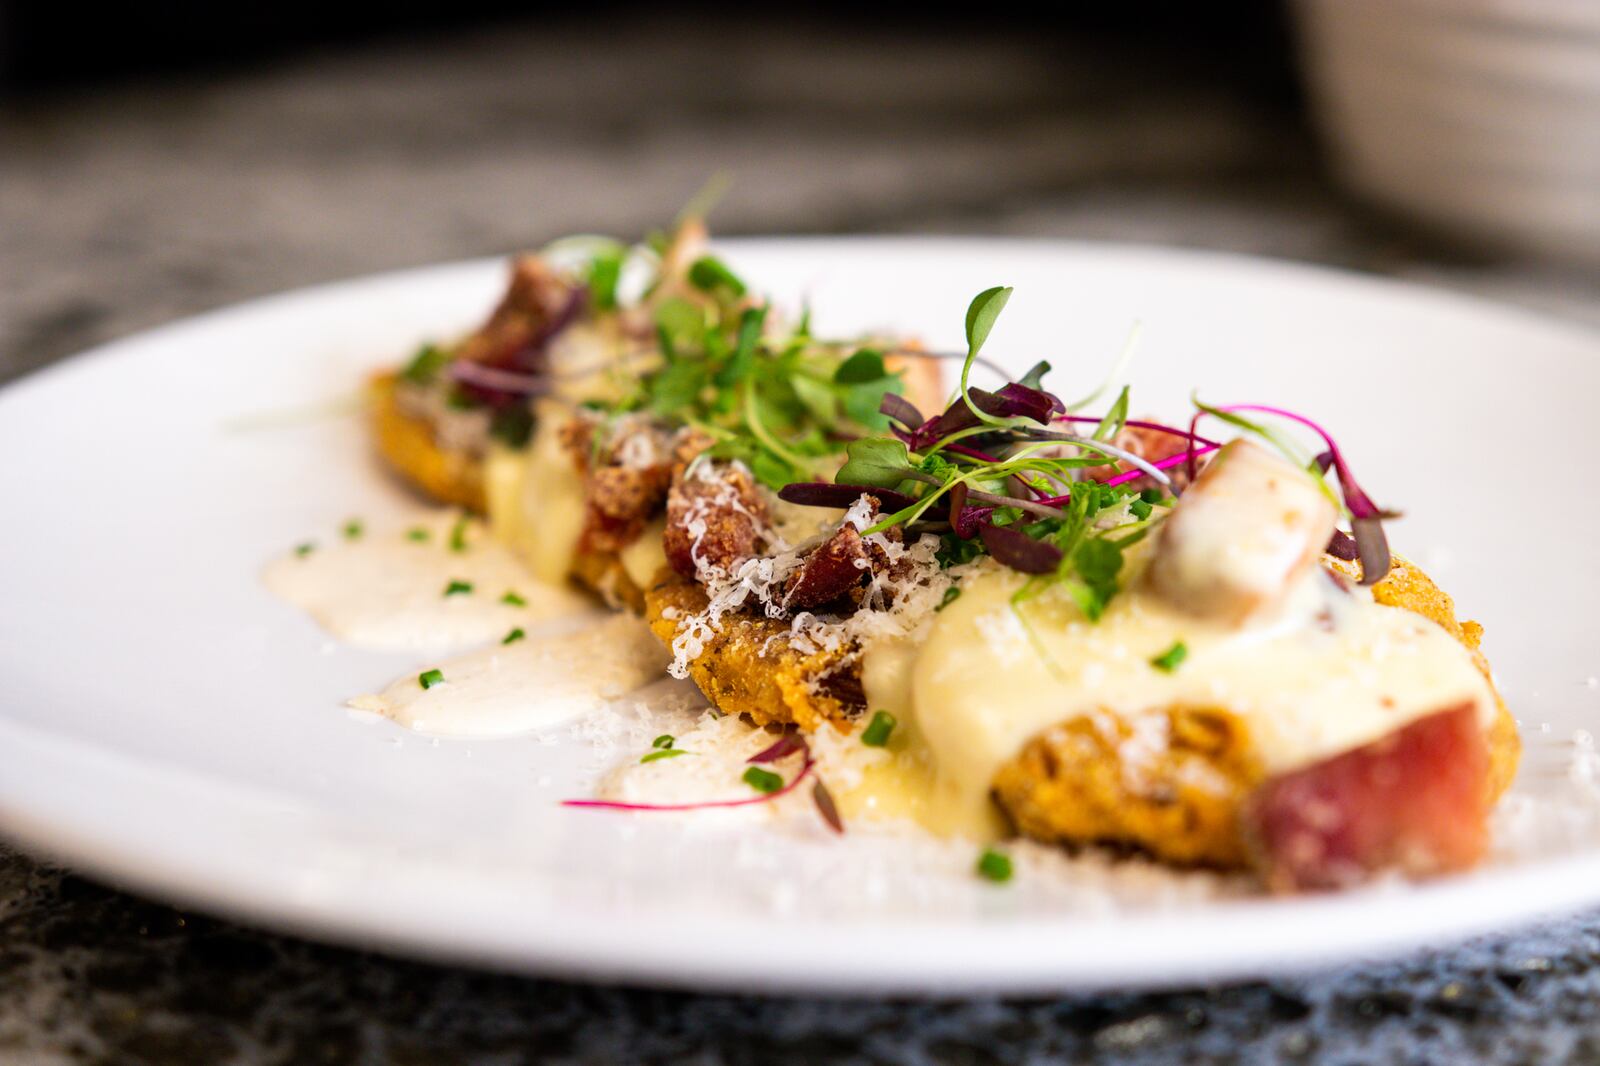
(665, 740)
(458, 535)
(876, 735)
(417, 534)
(1150, 496)
(514, 636)
(430, 678)
(303, 550)
(1170, 659)
(457, 587)
(762, 780)
(995, 866)
(950, 596)
(1140, 509)
(353, 529)
(670, 753)
(514, 600)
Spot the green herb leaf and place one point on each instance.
(711, 275)
(951, 594)
(605, 270)
(425, 365)
(744, 351)
(514, 636)
(511, 599)
(303, 550)
(418, 535)
(820, 399)
(865, 365)
(994, 866)
(458, 587)
(1172, 658)
(677, 386)
(680, 320)
(665, 753)
(981, 315)
(877, 461)
(1114, 418)
(353, 529)
(458, 534)
(665, 740)
(761, 780)
(429, 678)
(876, 735)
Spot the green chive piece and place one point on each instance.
(762, 780)
(457, 588)
(303, 550)
(353, 529)
(1150, 496)
(514, 636)
(1170, 659)
(429, 678)
(665, 740)
(458, 535)
(995, 866)
(417, 534)
(672, 753)
(1139, 509)
(876, 735)
(513, 600)
(951, 594)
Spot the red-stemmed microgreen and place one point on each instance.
(790, 744)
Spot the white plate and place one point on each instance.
(168, 725)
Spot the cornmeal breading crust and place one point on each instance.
(407, 444)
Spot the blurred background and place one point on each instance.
(161, 158)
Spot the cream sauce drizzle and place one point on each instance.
(386, 592)
(540, 681)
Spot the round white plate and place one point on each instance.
(169, 726)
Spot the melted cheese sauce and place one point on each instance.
(536, 498)
(1325, 672)
(541, 681)
(386, 592)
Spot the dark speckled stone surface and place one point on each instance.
(121, 211)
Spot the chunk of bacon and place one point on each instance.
(1415, 802)
(836, 566)
(715, 517)
(538, 303)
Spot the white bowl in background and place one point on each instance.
(1480, 118)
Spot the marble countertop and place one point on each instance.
(123, 210)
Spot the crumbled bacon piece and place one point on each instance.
(715, 516)
(1415, 801)
(687, 446)
(839, 568)
(836, 566)
(538, 303)
(625, 477)
(620, 501)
